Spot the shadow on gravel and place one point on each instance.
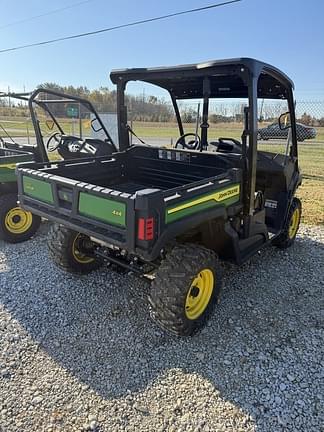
(260, 350)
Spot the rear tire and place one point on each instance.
(185, 290)
(68, 249)
(287, 236)
(16, 225)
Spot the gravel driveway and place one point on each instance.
(81, 354)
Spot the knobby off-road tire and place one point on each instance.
(171, 297)
(287, 236)
(65, 249)
(16, 225)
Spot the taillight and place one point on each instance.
(145, 228)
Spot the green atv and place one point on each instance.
(17, 224)
(169, 214)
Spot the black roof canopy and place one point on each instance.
(228, 78)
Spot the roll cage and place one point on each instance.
(40, 98)
(234, 78)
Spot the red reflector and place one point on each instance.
(145, 229)
(141, 227)
(149, 229)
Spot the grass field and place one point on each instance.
(19, 127)
(311, 192)
(170, 130)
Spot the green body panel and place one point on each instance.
(38, 189)
(203, 202)
(8, 161)
(103, 209)
(7, 175)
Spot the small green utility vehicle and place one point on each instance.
(17, 224)
(169, 214)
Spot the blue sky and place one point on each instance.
(289, 34)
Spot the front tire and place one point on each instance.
(287, 236)
(71, 251)
(185, 290)
(16, 225)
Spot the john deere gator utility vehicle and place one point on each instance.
(49, 112)
(169, 213)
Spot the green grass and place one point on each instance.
(311, 192)
(20, 127)
(170, 130)
(17, 126)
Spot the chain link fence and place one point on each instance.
(225, 120)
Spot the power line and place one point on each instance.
(73, 5)
(131, 24)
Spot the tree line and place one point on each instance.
(140, 107)
(150, 108)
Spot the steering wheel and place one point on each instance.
(192, 144)
(54, 141)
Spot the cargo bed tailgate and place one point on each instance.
(101, 212)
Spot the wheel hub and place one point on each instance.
(18, 221)
(194, 291)
(80, 246)
(199, 294)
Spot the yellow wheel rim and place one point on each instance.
(78, 255)
(294, 222)
(18, 221)
(199, 294)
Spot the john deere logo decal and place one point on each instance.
(203, 202)
(228, 193)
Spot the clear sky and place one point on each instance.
(286, 33)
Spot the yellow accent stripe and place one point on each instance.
(10, 166)
(216, 196)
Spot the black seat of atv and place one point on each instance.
(94, 141)
(103, 148)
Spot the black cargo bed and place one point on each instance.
(105, 197)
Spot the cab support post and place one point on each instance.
(204, 125)
(251, 153)
(122, 116)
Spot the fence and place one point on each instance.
(225, 119)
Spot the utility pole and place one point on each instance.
(9, 100)
(80, 121)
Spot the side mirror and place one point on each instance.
(95, 125)
(284, 121)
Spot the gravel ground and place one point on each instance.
(80, 354)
